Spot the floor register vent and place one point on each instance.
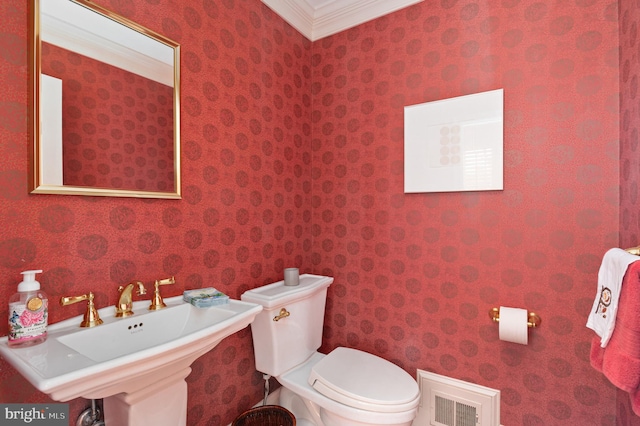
(452, 402)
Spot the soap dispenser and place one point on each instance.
(28, 313)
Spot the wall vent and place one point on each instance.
(451, 402)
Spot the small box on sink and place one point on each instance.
(205, 297)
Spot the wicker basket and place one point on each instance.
(267, 415)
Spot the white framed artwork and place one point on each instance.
(455, 144)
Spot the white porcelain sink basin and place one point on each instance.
(126, 355)
(122, 337)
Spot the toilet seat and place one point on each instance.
(297, 381)
(361, 380)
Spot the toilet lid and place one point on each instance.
(362, 380)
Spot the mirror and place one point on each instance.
(106, 97)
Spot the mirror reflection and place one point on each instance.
(107, 98)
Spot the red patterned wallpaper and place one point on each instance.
(629, 123)
(245, 212)
(629, 159)
(416, 274)
(292, 155)
(118, 126)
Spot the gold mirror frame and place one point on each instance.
(37, 185)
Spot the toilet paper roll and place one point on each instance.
(513, 325)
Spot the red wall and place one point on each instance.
(245, 212)
(629, 159)
(416, 274)
(629, 123)
(292, 155)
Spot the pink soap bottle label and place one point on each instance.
(28, 321)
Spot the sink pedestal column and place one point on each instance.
(158, 403)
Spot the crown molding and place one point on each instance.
(79, 29)
(333, 16)
(94, 46)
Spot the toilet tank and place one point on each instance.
(283, 344)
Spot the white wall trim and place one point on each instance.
(51, 130)
(334, 16)
(76, 28)
(296, 14)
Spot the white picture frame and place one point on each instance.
(455, 144)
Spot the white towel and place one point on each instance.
(602, 318)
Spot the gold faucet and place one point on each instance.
(125, 302)
(156, 301)
(91, 317)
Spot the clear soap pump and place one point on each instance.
(28, 313)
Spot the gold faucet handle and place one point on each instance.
(156, 301)
(141, 290)
(91, 317)
(170, 280)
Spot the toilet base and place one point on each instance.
(308, 413)
(297, 396)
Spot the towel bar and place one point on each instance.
(633, 250)
(534, 319)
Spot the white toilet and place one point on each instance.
(347, 387)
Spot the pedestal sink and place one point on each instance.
(138, 364)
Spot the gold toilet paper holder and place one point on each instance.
(534, 319)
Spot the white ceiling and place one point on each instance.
(316, 19)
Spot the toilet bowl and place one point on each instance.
(346, 387)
